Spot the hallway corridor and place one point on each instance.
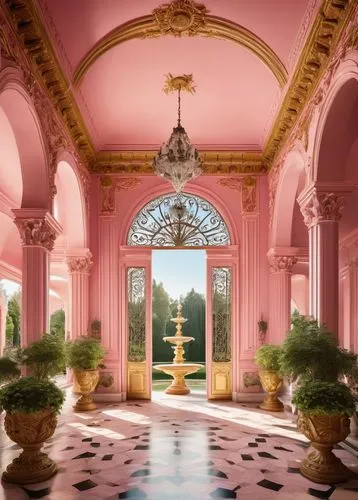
(176, 448)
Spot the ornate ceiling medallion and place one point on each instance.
(176, 83)
(181, 17)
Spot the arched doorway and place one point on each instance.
(187, 221)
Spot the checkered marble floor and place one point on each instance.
(176, 448)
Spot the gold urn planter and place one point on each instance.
(271, 382)
(30, 431)
(324, 431)
(87, 381)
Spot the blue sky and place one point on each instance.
(180, 270)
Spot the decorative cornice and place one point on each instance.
(34, 39)
(178, 18)
(214, 162)
(322, 40)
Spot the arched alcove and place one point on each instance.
(288, 228)
(69, 207)
(19, 111)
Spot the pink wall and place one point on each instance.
(108, 231)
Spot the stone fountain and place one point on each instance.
(178, 369)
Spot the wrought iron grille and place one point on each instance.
(178, 220)
(136, 314)
(221, 306)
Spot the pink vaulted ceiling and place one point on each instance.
(121, 98)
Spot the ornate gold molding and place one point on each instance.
(178, 18)
(320, 45)
(34, 39)
(214, 162)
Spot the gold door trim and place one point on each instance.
(221, 376)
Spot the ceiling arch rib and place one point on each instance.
(214, 27)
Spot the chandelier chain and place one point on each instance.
(179, 107)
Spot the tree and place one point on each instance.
(13, 311)
(194, 311)
(9, 331)
(57, 323)
(160, 311)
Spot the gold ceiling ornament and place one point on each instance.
(180, 17)
(315, 56)
(214, 162)
(214, 27)
(47, 69)
(185, 83)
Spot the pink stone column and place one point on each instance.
(322, 211)
(3, 312)
(79, 264)
(38, 231)
(280, 296)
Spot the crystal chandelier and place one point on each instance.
(178, 161)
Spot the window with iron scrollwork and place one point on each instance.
(136, 314)
(178, 220)
(221, 313)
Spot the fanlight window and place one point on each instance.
(178, 220)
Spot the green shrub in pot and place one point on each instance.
(46, 357)
(267, 357)
(84, 356)
(31, 407)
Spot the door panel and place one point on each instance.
(219, 323)
(138, 322)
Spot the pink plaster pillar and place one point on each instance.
(280, 295)
(38, 231)
(3, 312)
(349, 306)
(322, 211)
(79, 264)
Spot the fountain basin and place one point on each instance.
(178, 339)
(178, 371)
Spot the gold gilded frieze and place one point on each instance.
(45, 65)
(183, 18)
(214, 162)
(319, 48)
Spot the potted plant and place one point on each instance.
(263, 325)
(31, 406)
(84, 356)
(324, 411)
(311, 355)
(46, 357)
(267, 358)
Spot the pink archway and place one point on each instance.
(287, 221)
(339, 112)
(19, 110)
(69, 203)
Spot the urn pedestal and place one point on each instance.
(321, 465)
(271, 382)
(30, 431)
(87, 381)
